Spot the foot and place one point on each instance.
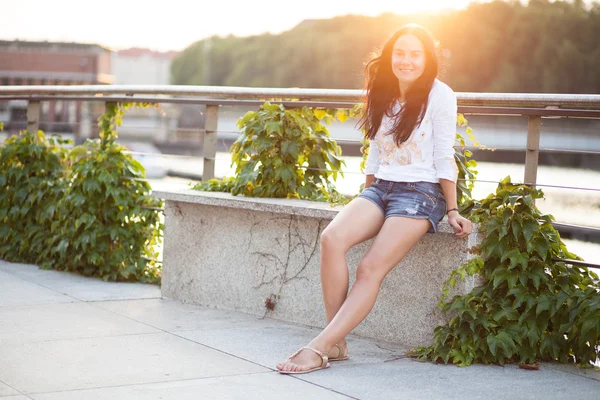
(339, 352)
(304, 360)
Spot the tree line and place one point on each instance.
(502, 46)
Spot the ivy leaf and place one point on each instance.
(474, 266)
(503, 315)
(512, 254)
(544, 302)
(291, 147)
(320, 113)
(273, 127)
(341, 115)
(492, 343)
(507, 343)
(529, 227)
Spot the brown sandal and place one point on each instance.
(341, 351)
(324, 363)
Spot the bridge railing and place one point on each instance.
(533, 106)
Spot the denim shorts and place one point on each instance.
(423, 200)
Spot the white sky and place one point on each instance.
(175, 24)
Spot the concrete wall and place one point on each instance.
(234, 252)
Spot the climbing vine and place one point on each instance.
(531, 306)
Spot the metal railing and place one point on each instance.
(532, 106)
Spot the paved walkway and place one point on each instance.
(63, 336)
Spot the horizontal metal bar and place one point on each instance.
(217, 92)
(542, 112)
(577, 262)
(590, 229)
(477, 180)
(569, 151)
(180, 100)
(339, 95)
(469, 110)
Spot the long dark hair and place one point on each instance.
(383, 90)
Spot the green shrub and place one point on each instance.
(283, 153)
(88, 210)
(109, 224)
(531, 306)
(33, 179)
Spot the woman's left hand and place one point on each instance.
(462, 226)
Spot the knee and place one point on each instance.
(331, 239)
(368, 271)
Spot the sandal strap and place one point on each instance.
(341, 350)
(295, 354)
(324, 357)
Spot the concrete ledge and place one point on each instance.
(233, 252)
(313, 209)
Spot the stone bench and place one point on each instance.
(233, 252)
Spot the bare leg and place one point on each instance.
(358, 221)
(397, 236)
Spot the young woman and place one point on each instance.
(410, 118)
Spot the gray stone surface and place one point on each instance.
(277, 206)
(305, 208)
(235, 258)
(6, 390)
(80, 287)
(262, 386)
(16, 291)
(270, 345)
(63, 321)
(226, 355)
(172, 316)
(410, 379)
(113, 361)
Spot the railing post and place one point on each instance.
(533, 149)
(209, 147)
(85, 122)
(33, 116)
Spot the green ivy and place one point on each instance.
(33, 178)
(88, 210)
(109, 224)
(467, 167)
(531, 306)
(283, 153)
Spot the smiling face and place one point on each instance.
(408, 60)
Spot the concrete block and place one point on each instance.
(235, 252)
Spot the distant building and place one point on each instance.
(137, 66)
(54, 63)
(51, 63)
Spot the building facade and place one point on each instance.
(51, 63)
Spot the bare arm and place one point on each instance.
(449, 190)
(461, 225)
(369, 179)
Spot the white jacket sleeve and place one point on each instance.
(372, 159)
(444, 134)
